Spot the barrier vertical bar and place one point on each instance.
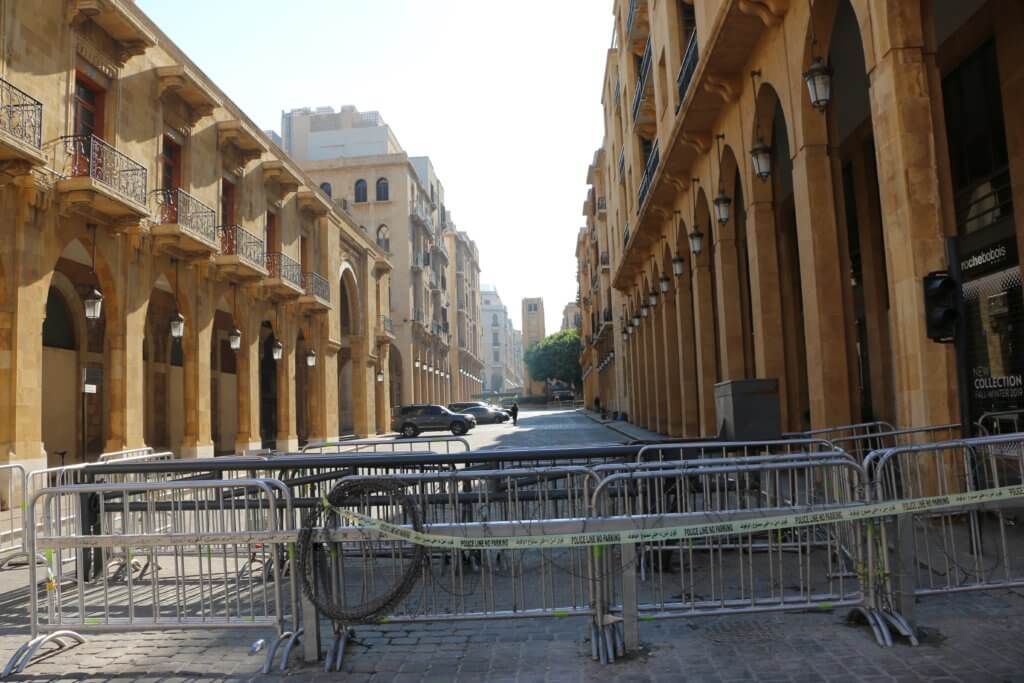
(630, 603)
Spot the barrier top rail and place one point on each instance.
(128, 453)
(694, 449)
(305, 461)
(395, 445)
(881, 456)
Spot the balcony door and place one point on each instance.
(170, 178)
(88, 118)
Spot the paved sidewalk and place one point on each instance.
(969, 637)
(627, 429)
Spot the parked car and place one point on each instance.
(563, 395)
(413, 419)
(462, 406)
(486, 414)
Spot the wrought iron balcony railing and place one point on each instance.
(237, 241)
(388, 324)
(687, 68)
(88, 156)
(177, 206)
(649, 168)
(622, 163)
(316, 285)
(625, 234)
(631, 16)
(641, 80)
(284, 267)
(21, 115)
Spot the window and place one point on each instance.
(360, 191)
(88, 108)
(227, 202)
(170, 163)
(272, 233)
(326, 187)
(382, 189)
(494, 319)
(497, 356)
(384, 238)
(494, 339)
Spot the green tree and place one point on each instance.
(557, 356)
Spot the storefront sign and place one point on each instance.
(989, 259)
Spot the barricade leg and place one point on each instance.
(905, 582)
(630, 605)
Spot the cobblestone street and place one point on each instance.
(967, 636)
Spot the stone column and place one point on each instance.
(383, 391)
(903, 100)
(362, 414)
(821, 280)
(729, 301)
(198, 439)
(663, 399)
(287, 433)
(123, 365)
(248, 378)
(704, 342)
(765, 301)
(689, 406)
(670, 360)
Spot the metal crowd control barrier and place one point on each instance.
(822, 566)
(196, 577)
(443, 444)
(13, 484)
(861, 429)
(1000, 422)
(861, 445)
(354, 568)
(121, 455)
(698, 450)
(961, 549)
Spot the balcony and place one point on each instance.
(284, 279)
(242, 255)
(101, 183)
(235, 136)
(317, 296)
(440, 247)
(314, 203)
(185, 226)
(643, 96)
(605, 261)
(435, 282)
(177, 81)
(637, 27)
(653, 159)
(418, 316)
(421, 214)
(118, 21)
(21, 130)
(386, 329)
(687, 69)
(279, 179)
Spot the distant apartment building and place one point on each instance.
(533, 332)
(501, 344)
(399, 201)
(570, 316)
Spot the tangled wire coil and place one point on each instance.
(349, 494)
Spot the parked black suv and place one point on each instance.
(411, 420)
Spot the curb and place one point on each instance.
(609, 424)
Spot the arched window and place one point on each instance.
(494, 319)
(384, 238)
(382, 189)
(360, 190)
(326, 187)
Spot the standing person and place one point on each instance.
(515, 413)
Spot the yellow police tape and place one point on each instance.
(746, 526)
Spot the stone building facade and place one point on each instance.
(399, 201)
(231, 292)
(501, 344)
(744, 221)
(533, 332)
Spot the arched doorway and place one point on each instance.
(270, 351)
(349, 323)
(395, 371)
(303, 377)
(164, 375)
(223, 380)
(62, 363)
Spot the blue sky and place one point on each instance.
(503, 96)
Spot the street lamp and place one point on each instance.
(277, 351)
(380, 376)
(819, 84)
(644, 311)
(652, 298)
(696, 238)
(677, 266)
(311, 359)
(636, 320)
(93, 305)
(761, 155)
(663, 283)
(416, 365)
(722, 203)
(235, 339)
(177, 326)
